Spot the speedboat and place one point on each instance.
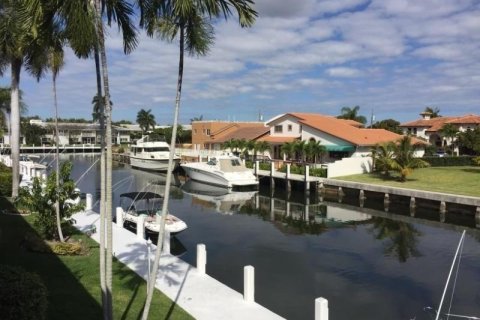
(151, 154)
(226, 171)
(148, 204)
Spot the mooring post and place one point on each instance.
(307, 177)
(249, 283)
(88, 201)
(386, 202)
(166, 242)
(141, 226)
(287, 178)
(119, 216)
(272, 170)
(149, 249)
(201, 258)
(412, 206)
(443, 207)
(257, 167)
(477, 217)
(340, 194)
(321, 309)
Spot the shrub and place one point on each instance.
(67, 248)
(249, 164)
(22, 294)
(450, 161)
(120, 150)
(5, 183)
(476, 160)
(296, 169)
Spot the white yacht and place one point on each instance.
(135, 204)
(226, 171)
(151, 155)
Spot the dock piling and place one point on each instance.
(321, 309)
(141, 227)
(307, 177)
(201, 258)
(249, 284)
(477, 217)
(166, 242)
(119, 217)
(89, 201)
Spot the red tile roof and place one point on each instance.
(435, 124)
(467, 119)
(247, 133)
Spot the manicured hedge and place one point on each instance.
(450, 161)
(22, 295)
(316, 172)
(5, 181)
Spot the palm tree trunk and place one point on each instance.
(161, 233)
(108, 168)
(102, 182)
(57, 163)
(16, 67)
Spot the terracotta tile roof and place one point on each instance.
(344, 130)
(247, 133)
(467, 119)
(277, 140)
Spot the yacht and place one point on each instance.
(135, 204)
(226, 171)
(151, 154)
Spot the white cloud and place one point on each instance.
(343, 72)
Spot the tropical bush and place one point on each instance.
(296, 169)
(450, 161)
(67, 248)
(23, 295)
(5, 180)
(476, 160)
(40, 200)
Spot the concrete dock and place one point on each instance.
(199, 294)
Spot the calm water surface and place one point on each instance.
(367, 265)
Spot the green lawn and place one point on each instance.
(73, 281)
(456, 180)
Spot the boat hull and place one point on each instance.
(218, 178)
(152, 164)
(173, 224)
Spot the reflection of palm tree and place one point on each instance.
(402, 236)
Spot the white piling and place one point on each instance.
(321, 309)
(201, 258)
(141, 226)
(149, 250)
(287, 174)
(257, 167)
(119, 216)
(89, 201)
(38, 174)
(166, 242)
(44, 176)
(249, 283)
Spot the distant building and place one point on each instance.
(429, 128)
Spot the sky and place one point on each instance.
(390, 57)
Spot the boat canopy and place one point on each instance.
(145, 195)
(232, 165)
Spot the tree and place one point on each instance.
(404, 161)
(145, 120)
(300, 148)
(261, 146)
(469, 141)
(388, 124)
(197, 118)
(41, 200)
(434, 112)
(249, 146)
(352, 114)
(33, 133)
(288, 149)
(188, 20)
(449, 131)
(21, 45)
(382, 157)
(314, 149)
(98, 106)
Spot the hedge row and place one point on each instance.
(450, 161)
(315, 172)
(5, 181)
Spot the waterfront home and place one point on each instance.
(429, 128)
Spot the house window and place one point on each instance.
(289, 128)
(415, 131)
(208, 132)
(409, 130)
(278, 129)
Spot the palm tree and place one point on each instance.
(450, 132)
(404, 161)
(146, 120)
(434, 112)
(21, 45)
(98, 104)
(382, 157)
(352, 114)
(241, 145)
(197, 118)
(288, 149)
(188, 20)
(300, 148)
(261, 146)
(249, 146)
(315, 149)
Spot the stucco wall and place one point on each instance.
(324, 138)
(285, 122)
(348, 166)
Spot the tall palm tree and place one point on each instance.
(288, 149)
(382, 157)
(434, 112)
(352, 114)
(98, 104)
(261, 146)
(404, 161)
(188, 20)
(249, 146)
(315, 149)
(450, 132)
(22, 44)
(300, 148)
(146, 120)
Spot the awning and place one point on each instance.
(340, 148)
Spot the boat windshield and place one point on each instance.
(157, 149)
(232, 165)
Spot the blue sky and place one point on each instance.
(394, 57)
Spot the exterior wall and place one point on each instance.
(324, 138)
(421, 132)
(285, 122)
(202, 132)
(348, 166)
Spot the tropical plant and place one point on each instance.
(288, 149)
(146, 120)
(434, 112)
(200, 118)
(405, 161)
(450, 132)
(469, 141)
(261, 146)
(33, 133)
(98, 108)
(382, 157)
(5, 95)
(21, 45)
(300, 148)
(388, 124)
(314, 149)
(249, 146)
(41, 200)
(352, 114)
(188, 20)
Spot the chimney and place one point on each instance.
(426, 115)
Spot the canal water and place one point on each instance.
(368, 264)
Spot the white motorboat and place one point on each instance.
(223, 200)
(226, 171)
(151, 155)
(148, 204)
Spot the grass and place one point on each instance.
(455, 180)
(73, 281)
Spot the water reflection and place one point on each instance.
(402, 238)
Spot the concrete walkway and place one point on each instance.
(199, 294)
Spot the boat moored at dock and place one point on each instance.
(151, 154)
